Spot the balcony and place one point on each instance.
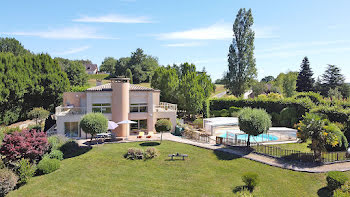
(62, 111)
(165, 107)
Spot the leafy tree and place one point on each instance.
(254, 122)
(108, 65)
(163, 125)
(39, 114)
(241, 61)
(166, 80)
(13, 46)
(76, 73)
(259, 88)
(94, 123)
(332, 78)
(305, 81)
(268, 79)
(27, 144)
(128, 74)
(287, 83)
(121, 66)
(313, 127)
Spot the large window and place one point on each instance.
(71, 129)
(139, 125)
(102, 108)
(140, 107)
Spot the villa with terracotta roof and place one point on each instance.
(118, 101)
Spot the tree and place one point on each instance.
(305, 82)
(267, 79)
(287, 83)
(94, 123)
(163, 125)
(313, 127)
(27, 144)
(128, 74)
(332, 78)
(13, 46)
(39, 114)
(335, 94)
(121, 66)
(259, 88)
(76, 73)
(108, 65)
(166, 80)
(241, 61)
(254, 122)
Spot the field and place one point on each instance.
(104, 171)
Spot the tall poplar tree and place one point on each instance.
(241, 61)
(305, 82)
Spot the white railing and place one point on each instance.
(165, 107)
(62, 111)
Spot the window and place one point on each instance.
(139, 125)
(140, 107)
(102, 108)
(71, 129)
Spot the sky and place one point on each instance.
(196, 31)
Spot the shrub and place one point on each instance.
(8, 181)
(48, 165)
(344, 191)
(134, 153)
(224, 113)
(198, 123)
(56, 141)
(341, 143)
(9, 130)
(26, 170)
(251, 180)
(79, 88)
(234, 111)
(254, 122)
(288, 117)
(151, 152)
(26, 144)
(336, 179)
(36, 127)
(56, 154)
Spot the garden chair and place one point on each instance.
(141, 134)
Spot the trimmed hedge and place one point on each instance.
(336, 179)
(48, 165)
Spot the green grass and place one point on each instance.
(219, 88)
(104, 172)
(303, 147)
(98, 76)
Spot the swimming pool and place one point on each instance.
(259, 138)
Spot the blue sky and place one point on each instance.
(184, 31)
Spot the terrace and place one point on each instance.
(62, 111)
(165, 107)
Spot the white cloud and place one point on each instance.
(64, 33)
(113, 18)
(184, 44)
(73, 50)
(218, 31)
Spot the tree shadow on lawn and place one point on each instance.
(300, 161)
(231, 153)
(150, 144)
(324, 192)
(72, 149)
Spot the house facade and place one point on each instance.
(118, 101)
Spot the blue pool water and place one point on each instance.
(259, 138)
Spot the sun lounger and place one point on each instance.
(141, 134)
(150, 134)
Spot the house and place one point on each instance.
(90, 68)
(118, 101)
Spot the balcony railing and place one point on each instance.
(62, 111)
(164, 107)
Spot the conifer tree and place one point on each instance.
(305, 81)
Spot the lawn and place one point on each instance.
(303, 147)
(219, 88)
(104, 172)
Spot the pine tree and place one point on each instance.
(305, 81)
(332, 78)
(241, 61)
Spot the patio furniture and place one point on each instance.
(177, 155)
(150, 134)
(141, 134)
